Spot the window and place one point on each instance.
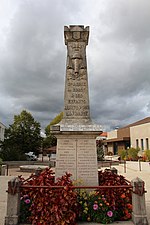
(137, 143)
(147, 143)
(142, 144)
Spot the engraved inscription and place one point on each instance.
(66, 157)
(77, 156)
(87, 160)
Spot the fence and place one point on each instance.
(138, 199)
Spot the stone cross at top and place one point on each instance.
(76, 99)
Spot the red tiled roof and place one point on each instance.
(104, 134)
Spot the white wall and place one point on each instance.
(112, 134)
(140, 132)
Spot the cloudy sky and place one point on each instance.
(33, 58)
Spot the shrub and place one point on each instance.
(83, 201)
(12, 154)
(147, 154)
(106, 205)
(133, 153)
(100, 209)
(94, 207)
(121, 199)
(50, 206)
(122, 153)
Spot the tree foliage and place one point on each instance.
(56, 120)
(50, 139)
(100, 150)
(133, 153)
(0, 165)
(22, 136)
(147, 154)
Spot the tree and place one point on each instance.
(50, 139)
(0, 165)
(56, 120)
(21, 137)
(100, 150)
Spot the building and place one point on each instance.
(2, 131)
(140, 136)
(133, 135)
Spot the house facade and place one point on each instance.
(140, 137)
(133, 135)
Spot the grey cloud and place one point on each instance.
(32, 66)
(127, 20)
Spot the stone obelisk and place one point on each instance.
(76, 144)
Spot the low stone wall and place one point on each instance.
(14, 164)
(107, 163)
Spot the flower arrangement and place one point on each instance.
(95, 208)
(83, 204)
(63, 206)
(100, 209)
(120, 198)
(25, 204)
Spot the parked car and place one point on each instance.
(31, 156)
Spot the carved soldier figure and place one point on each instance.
(76, 86)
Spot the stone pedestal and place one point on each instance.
(76, 154)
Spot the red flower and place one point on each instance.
(123, 195)
(129, 206)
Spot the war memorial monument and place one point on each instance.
(76, 133)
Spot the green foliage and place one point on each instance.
(50, 139)
(12, 154)
(100, 209)
(56, 120)
(147, 154)
(94, 207)
(21, 137)
(25, 204)
(123, 154)
(100, 153)
(100, 150)
(0, 164)
(133, 153)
